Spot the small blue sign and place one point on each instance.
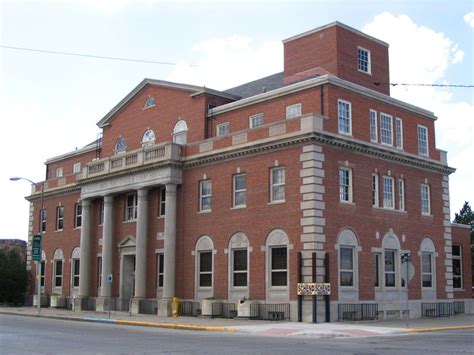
(109, 278)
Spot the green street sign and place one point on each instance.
(36, 249)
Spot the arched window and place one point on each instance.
(120, 145)
(204, 263)
(277, 246)
(180, 132)
(75, 266)
(391, 261)
(427, 254)
(348, 247)
(148, 138)
(58, 259)
(43, 267)
(238, 261)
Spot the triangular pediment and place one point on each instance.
(127, 242)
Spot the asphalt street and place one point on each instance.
(26, 335)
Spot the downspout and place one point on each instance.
(321, 89)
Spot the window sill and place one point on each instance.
(348, 288)
(427, 215)
(130, 221)
(347, 203)
(77, 228)
(276, 202)
(59, 230)
(365, 72)
(347, 134)
(238, 207)
(389, 209)
(160, 217)
(204, 212)
(278, 288)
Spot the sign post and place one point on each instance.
(36, 255)
(109, 280)
(406, 258)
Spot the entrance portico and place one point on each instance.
(142, 183)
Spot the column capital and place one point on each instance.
(86, 203)
(171, 189)
(142, 194)
(108, 199)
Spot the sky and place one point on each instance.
(50, 103)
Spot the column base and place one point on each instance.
(164, 308)
(44, 300)
(136, 306)
(102, 304)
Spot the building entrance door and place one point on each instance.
(128, 280)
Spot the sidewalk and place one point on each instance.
(255, 327)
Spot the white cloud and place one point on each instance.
(421, 55)
(226, 62)
(469, 18)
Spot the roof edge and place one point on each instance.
(86, 149)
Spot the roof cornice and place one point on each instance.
(314, 82)
(86, 149)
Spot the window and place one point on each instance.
(160, 266)
(346, 266)
(388, 198)
(58, 258)
(377, 257)
(205, 195)
(150, 102)
(43, 220)
(423, 140)
(427, 269)
(256, 120)
(75, 272)
(99, 272)
(120, 145)
(390, 268)
(76, 168)
(344, 117)
(131, 207)
(162, 203)
(375, 190)
(401, 194)
(101, 212)
(148, 138)
(373, 126)
(205, 268)
(59, 172)
(240, 190)
(345, 185)
(398, 133)
(386, 129)
(279, 266)
(77, 215)
(59, 218)
(363, 60)
(42, 272)
(277, 184)
(293, 111)
(457, 267)
(180, 132)
(425, 199)
(239, 267)
(222, 129)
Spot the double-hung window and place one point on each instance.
(375, 190)
(390, 268)
(77, 215)
(277, 184)
(42, 272)
(256, 120)
(373, 126)
(205, 195)
(386, 134)
(427, 269)
(160, 268)
(58, 273)
(293, 111)
(363, 60)
(346, 266)
(222, 129)
(76, 168)
(131, 207)
(59, 218)
(388, 196)
(401, 194)
(345, 185)
(239, 267)
(240, 190)
(43, 220)
(425, 199)
(398, 133)
(344, 117)
(279, 266)
(75, 272)
(423, 140)
(162, 203)
(205, 268)
(457, 267)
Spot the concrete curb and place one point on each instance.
(436, 329)
(134, 323)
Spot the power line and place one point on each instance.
(94, 56)
(433, 85)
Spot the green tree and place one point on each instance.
(13, 277)
(465, 215)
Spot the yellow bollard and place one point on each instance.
(175, 307)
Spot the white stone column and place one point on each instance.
(141, 241)
(85, 258)
(164, 306)
(107, 245)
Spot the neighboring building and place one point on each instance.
(194, 193)
(14, 244)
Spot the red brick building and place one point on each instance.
(311, 174)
